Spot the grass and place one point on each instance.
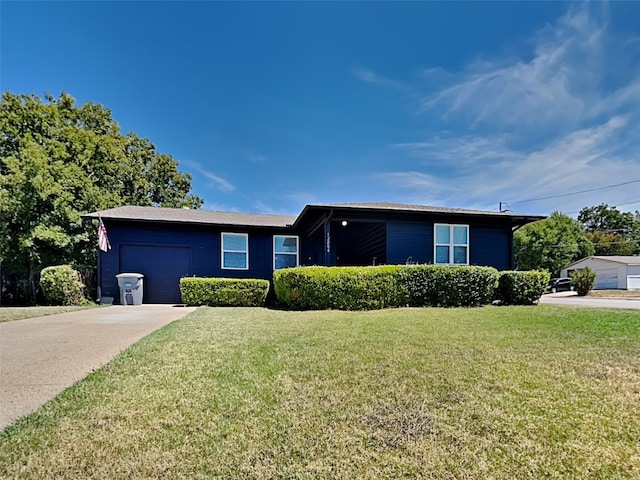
(487, 393)
(8, 314)
(614, 293)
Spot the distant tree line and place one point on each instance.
(59, 160)
(559, 240)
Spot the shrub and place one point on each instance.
(583, 280)
(342, 288)
(448, 286)
(61, 285)
(224, 292)
(366, 288)
(521, 287)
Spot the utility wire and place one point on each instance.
(576, 193)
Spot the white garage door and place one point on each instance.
(607, 279)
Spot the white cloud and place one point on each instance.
(215, 181)
(369, 76)
(559, 119)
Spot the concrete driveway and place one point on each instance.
(40, 357)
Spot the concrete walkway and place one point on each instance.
(40, 357)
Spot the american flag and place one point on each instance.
(103, 239)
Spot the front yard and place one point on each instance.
(9, 314)
(511, 392)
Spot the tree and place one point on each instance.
(609, 243)
(611, 231)
(551, 244)
(58, 161)
(604, 218)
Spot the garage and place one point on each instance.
(612, 272)
(162, 267)
(607, 279)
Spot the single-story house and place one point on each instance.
(612, 272)
(165, 244)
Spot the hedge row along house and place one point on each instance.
(165, 244)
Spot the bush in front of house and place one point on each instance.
(521, 287)
(340, 288)
(61, 285)
(583, 280)
(367, 288)
(224, 292)
(448, 285)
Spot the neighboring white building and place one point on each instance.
(612, 272)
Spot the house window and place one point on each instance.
(451, 245)
(285, 251)
(235, 251)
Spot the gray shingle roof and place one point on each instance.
(420, 208)
(202, 217)
(626, 259)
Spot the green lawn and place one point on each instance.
(486, 393)
(8, 314)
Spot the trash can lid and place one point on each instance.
(124, 275)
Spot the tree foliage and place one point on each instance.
(59, 160)
(611, 231)
(551, 244)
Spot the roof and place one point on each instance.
(185, 215)
(623, 259)
(206, 217)
(407, 208)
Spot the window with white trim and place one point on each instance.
(451, 244)
(235, 251)
(285, 251)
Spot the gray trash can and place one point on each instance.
(130, 285)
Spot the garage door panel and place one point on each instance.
(162, 267)
(607, 279)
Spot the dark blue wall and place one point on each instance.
(489, 245)
(409, 239)
(180, 250)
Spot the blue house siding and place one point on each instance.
(164, 253)
(409, 241)
(490, 245)
(167, 244)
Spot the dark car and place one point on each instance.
(559, 285)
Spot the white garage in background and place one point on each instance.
(612, 272)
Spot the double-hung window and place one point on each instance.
(235, 251)
(285, 251)
(451, 245)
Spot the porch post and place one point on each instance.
(327, 242)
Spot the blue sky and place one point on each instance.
(271, 106)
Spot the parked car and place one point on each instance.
(562, 284)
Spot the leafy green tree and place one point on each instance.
(59, 160)
(605, 219)
(608, 243)
(611, 231)
(551, 244)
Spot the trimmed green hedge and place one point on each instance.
(341, 288)
(367, 288)
(61, 285)
(224, 292)
(449, 286)
(521, 287)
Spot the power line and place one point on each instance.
(577, 193)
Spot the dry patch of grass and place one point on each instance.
(614, 293)
(522, 392)
(8, 314)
